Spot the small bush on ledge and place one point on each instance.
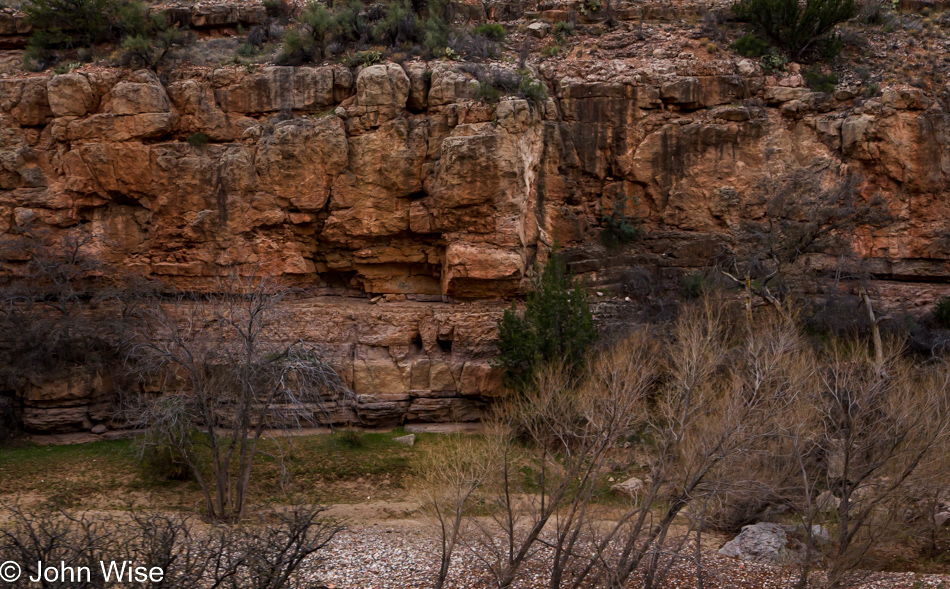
(819, 82)
(799, 28)
(942, 312)
(618, 228)
(198, 140)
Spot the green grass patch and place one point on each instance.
(338, 467)
(65, 475)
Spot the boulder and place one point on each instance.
(780, 94)
(449, 86)
(731, 113)
(554, 16)
(820, 534)
(299, 160)
(747, 67)
(827, 502)
(633, 487)
(381, 413)
(480, 378)
(198, 111)
(277, 88)
(54, 419)
(27, 100)
(476, 266)
(132, 98)
(426, 409)
(905, 98)
(109, 127)
(14, 23)
(539, 29)
(407, 440)
(761, 542)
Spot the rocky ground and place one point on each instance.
(402, 554)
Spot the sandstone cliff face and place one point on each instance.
(391, 180)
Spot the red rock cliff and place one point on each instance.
(392, 180)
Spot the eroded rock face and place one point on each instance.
(78, 399)
(382, 85)
(392, 180)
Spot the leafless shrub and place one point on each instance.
(9, 421)
(925, 502)
(713, 23)
(656, 301)
(451, 474)
(273, 553)
(875, 12)
(45, 281)
(472, 46)
(555, 446)
(724, 421)
(523, 52)
(223, 377)
(77, 540)
(877, 427)
(191, 555)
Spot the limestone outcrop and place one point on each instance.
(392, 180)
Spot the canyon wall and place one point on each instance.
(411, 213)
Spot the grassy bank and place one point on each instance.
(342, 467)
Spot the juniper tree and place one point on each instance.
(556, 325)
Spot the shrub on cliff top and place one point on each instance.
(493, 31)
(750, 46)
(81, 23)
(487, 93)
(556, 326)
(400, 25)
(321, 32)
(150, 46)
(74, 22)
(308, 40)
(799, 28)
(531, 89)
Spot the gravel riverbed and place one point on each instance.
(396, 556)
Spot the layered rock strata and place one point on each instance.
(392, 180)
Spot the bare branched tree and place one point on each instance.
(75, 539)
(452, 473)
(272, 554)
(722, 422)
(805, 212)
(224, 377)
(692, 400)
(878, 430)
(45, 280)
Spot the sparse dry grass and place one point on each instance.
(321, 468)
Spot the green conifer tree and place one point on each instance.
(556, 325)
